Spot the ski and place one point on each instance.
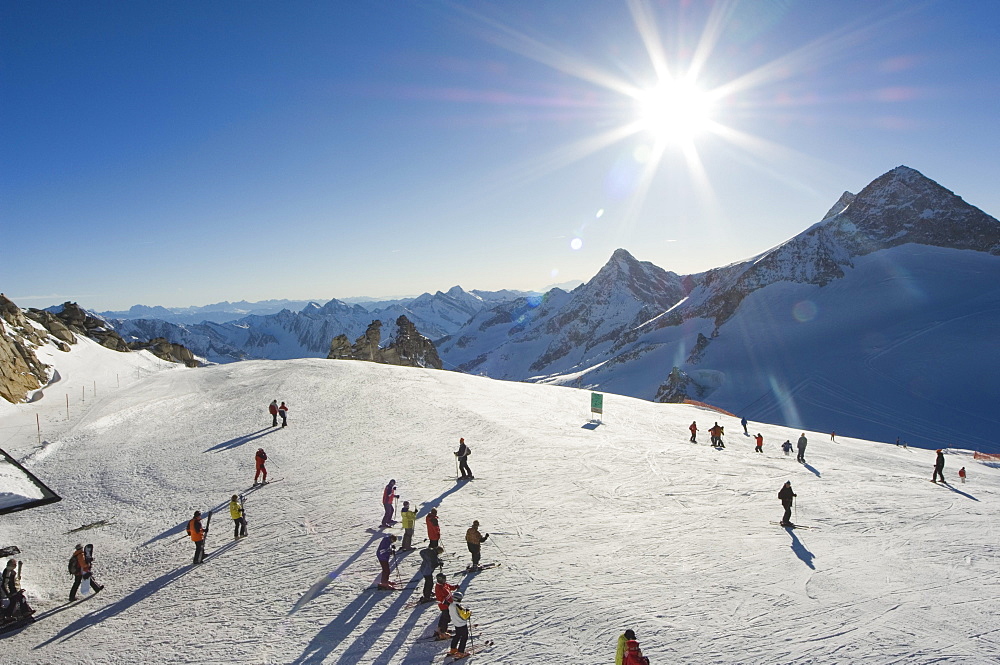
(417, 603)
(92, 525)
(487, 566)
(793, 526)
(470, 651)
(395, 588)
(434, 638)
(259, 485)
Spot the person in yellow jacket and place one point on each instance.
(239, 519)
(622, 639)
(409, 518)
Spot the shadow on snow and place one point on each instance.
(240, 440)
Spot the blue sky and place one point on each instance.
(184, 153)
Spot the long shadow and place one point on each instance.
(434, 503)
(591, 425)
(958, 491)
(379, 628)
(812, 468)
(137, 596)
(800, 550)
(323, 581)
(240, 440)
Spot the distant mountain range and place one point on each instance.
(877, 321)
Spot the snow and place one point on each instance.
(599, 527)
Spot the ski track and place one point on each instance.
(625, 525)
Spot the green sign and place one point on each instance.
(596, 403)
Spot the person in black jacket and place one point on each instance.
(430, 558)
(463, 453)
(938, 467)
(786, 495)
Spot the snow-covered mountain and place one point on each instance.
(219, 312)
(598, 528)
(308, 332)
(876, 321)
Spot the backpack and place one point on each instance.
(74, 565)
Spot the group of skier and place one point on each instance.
(277, 410)
(717, 431)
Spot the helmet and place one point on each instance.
(457, 595)
(441, 578)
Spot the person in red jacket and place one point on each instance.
(259, 460)
(433, 527)
(442, 593)
(272, 408)
(760, 443)
(388, 497)
(633, 654)
(694, 431)
(283, 412)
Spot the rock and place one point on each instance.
(408, 347)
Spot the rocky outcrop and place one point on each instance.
(408, 347)
(20, 370)
(165, 350)
(71, 318)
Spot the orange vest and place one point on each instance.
(196, 536)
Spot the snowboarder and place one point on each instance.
(475, 541)
(743, 421)
(460, 617)
(433, 527)
(801, 443)
(462, 454)
(388, 497)
(259, 459)
(760, 443)
(283, 412)
(430, 558)
(787, 447)
(787, 496)
(409, 518)
(197, 534)
(442, 593)
(938, 466)
(272, 408)
(622, 639)
(386, 549)
(694, 431)
(961, 474)
(13, 605)
(80, 568)
(239, 520)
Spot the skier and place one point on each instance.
(433, 528)
(787, 447)
(430, 558)
(388, 496)
(283, 412)
(13, 604)
(197, 533)
(239, 521)
(961, 474)
(259, 459)
(787, 496)
(633, 654)
(802, 448)
(717, 433)
(475, 541)
(938, 467)
(743, 421)
(622, 639)
(442, 593)
(460, 617)
(272, 408)
(760, 443)
(462, 454)
(385, 550)
(694, 431)
(833, 437)
(409, 519)
(79, 567)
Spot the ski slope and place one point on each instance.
(599, 528)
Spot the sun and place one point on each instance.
(674, 110)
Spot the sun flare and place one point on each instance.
(676, 110)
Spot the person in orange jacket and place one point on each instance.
(81, 570)
(433, 527)
(259, 459)
(197, 533)
(694, 431)
(961, 474)
(760, 443)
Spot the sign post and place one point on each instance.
(597, 405)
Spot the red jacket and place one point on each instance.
(261, 457)
(442, 592)
(388, 494)
(693, 428)
(760, 440)
(633, 654)
(272, 408)
(433, 528)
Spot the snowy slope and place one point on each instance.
(626, 524)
